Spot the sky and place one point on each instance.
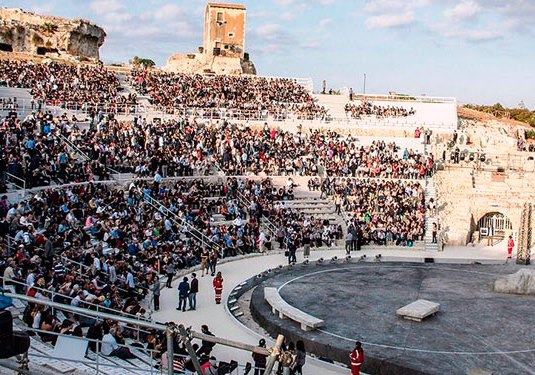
(479, 51)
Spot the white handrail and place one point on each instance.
(203, 239)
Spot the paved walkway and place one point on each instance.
(222, 324)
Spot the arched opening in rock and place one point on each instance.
(495, 226)
(44, 50)
(6, 47)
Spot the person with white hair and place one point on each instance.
(111, 348)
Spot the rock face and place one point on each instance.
(200, 63)
(248, 67)
(521, 282)
(25, 32)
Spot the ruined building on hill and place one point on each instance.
(223, 50)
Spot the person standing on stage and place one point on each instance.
(218, 287)
(213, 261)
(357, 359)
(156, 293)
(183, 291)
(510, 245)
(170, 270)
(193, 290)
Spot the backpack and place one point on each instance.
(5, 302)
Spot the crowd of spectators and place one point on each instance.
(365, 109)
(67, 86)
(276, 152)
(290, 227)
(385, 212)
(104, 248)
(250, 97)
(101, 246)
(31, 150)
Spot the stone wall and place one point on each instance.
(224, 29)
(30, 33)
(201, 63)
(469, 190)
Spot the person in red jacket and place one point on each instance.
(218, 287)
(357, 358)
(510, 245)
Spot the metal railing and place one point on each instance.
(91, 306)
(81, 267)
(240, 115)
(170, 329)
(182, 223)
(78, 151)
(101, 361)
(10, 244)
(16, 181)
(30, 105)
(245, 201)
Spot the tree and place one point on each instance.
(145, 63)
(49, 27)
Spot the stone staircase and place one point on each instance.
(143, 101)
(311, 204)
(333, 103)
(430, 217)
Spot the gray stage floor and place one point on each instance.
(475, 328)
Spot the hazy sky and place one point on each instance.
(479, 51)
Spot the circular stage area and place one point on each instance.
(475, 327)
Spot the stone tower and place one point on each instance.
(224, 30)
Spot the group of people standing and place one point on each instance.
(187, 291)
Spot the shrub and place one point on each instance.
(37, 40)
(49, 27)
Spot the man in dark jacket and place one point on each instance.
(50, 252)
(193, 290)
(206, 346)
(260, 360)
(170, 270)
(183, 290)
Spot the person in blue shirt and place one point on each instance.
(183, 291)
(30, 144)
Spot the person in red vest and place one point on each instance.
(218, 287)
(510, 245)
(357, 358)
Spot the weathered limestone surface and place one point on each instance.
(418, 310)
(469, 190)
(199, 63)
(26, 32)
(521, 282)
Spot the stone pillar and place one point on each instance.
(524, 236)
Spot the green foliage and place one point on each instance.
(49, 27)
(530, 134)
(37, 40)
(498, 110)
(145, 63)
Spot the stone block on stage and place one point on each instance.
(418, 310)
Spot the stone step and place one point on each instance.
(307, 203)
(216, 223)
(315, 210)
